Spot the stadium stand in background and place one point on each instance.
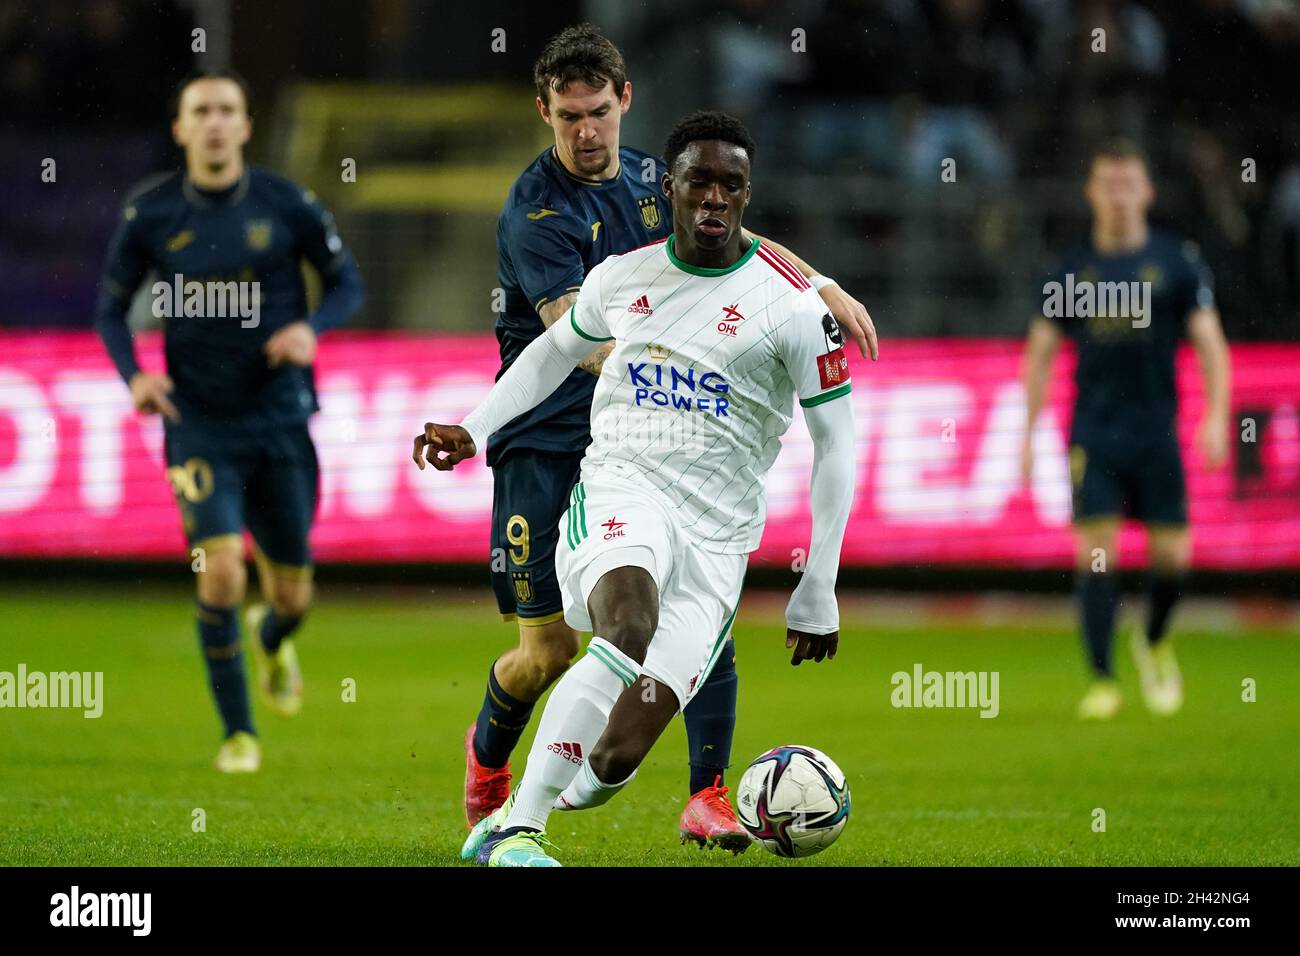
(852, 132)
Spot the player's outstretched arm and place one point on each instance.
(552, 312)
(852, 315)
(1206, 334)
(537, 373)
(812, 616)
(1036, 369)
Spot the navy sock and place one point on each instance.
(1163, 590)
(219, 639)
(501, 722)
(1098, 601)
(711, 721)
(276, 627)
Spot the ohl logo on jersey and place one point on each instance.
(679, 389)
(730, 321)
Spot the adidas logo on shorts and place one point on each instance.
(571, 752)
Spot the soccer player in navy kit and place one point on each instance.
(1124, 454)
(580, 201)
(238, 390)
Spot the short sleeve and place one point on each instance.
(588, 313)
(812, 348)
(545, 253)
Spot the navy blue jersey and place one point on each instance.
(1127, 332)
(554, 228)
(258, 230)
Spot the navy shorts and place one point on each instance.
(530, 493)
(1143, 481)
(266, 481)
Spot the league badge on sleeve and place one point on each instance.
(831, 329)
(833, 367)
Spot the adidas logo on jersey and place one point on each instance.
(571, 752)
(641, 306)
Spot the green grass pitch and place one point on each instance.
(378, 781)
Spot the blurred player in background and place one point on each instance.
(582, 200)
(1124, 454)
(238, 390)
(686, 420)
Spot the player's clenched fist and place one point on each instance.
(149, 392)
(452, 440)
(811, 647)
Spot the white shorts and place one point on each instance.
(615, 524)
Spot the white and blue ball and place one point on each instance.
(793, 800)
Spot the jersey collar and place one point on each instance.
(195, 196)
(699, 270)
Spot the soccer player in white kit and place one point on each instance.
(714, 337)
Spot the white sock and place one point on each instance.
(587, 790)
(572, 722)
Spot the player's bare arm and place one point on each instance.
(539, 371)
(851, 314)
(552, 312)
(1206, 334)
(1036, 369)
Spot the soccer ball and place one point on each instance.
(793, 801)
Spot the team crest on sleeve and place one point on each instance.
(257, 233)
(832, 367)
(649, 212)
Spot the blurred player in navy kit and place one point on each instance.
(238, 391)
(1124, 454)
(582, 200)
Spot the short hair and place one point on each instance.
(174, 107)
(578, 53)
(1120, 148)
(706, 124)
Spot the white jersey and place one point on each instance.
(701, 384)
